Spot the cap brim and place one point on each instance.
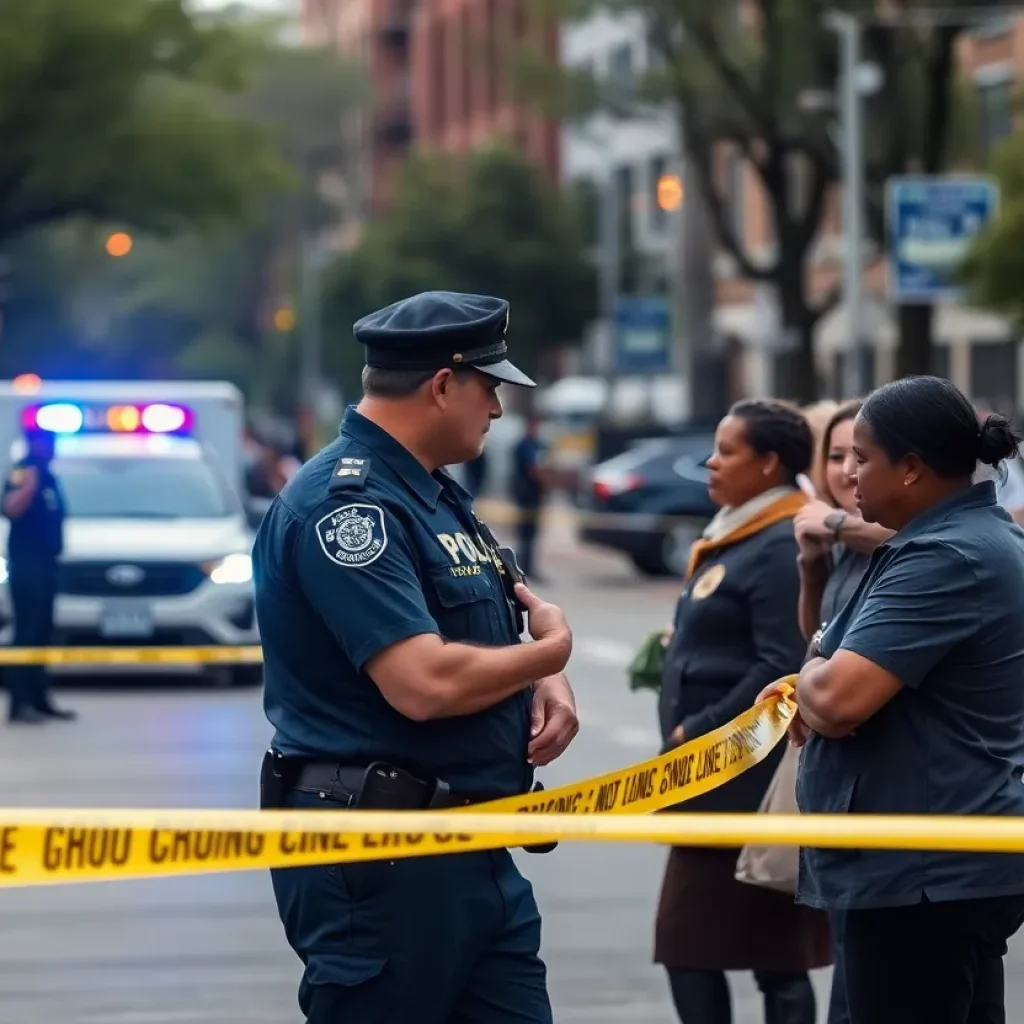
(507, 372)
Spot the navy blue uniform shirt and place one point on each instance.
(735, 632)
(940, 608)
(526, 457)
(362, 549)
(38, 533)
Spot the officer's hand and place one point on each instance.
(546, 621)
(554, 724)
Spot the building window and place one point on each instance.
(494, 55)
(467, 56)
(621, 71)
(659, 216)
(438, 63)
(995, 113)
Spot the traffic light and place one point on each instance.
(284, 319)
(119, 244)
(670, 192)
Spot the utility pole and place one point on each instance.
(311, 340)
(610, 218)
(848, 29)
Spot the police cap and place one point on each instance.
(441, 330)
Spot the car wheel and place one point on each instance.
(648, 565)
(675, 547)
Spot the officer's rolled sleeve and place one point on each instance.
(367, 607)
(775, 634)
(921, 605)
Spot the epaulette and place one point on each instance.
(349, 474)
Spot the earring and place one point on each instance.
(906, 483)
(766, 470)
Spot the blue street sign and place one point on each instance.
(932, 222)
(643, 335)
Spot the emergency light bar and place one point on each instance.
(76, 418)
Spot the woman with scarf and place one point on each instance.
(735, 631)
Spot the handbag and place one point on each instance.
(645, 669)
(775, 867)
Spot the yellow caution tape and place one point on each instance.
(250, 655)
(51, 846)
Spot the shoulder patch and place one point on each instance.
(353, 535)
(349, 473)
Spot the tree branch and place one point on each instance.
(699, 151)
(809, 223)
(732, 78)
(938, 105)
(826, 305)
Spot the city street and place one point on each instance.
(210, 950)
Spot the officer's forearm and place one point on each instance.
(469, 679)
(425, 678)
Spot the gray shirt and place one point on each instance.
(848, 566)
(940, 609)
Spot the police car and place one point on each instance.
(156, 542)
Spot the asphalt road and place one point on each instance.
(210, 950)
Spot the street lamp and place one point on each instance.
(119, 244)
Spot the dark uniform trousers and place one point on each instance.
(423, 940)
(933, 963)
(32, 584)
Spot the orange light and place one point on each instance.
(123, 419)
(284, 319)
(119, 244)
(27, 382)
(670, 192)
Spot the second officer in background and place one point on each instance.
(395, 679)
(34, 505)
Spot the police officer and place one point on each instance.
(395, 679)
(33, 503)
(528, 491)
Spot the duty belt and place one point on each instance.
(347, 783)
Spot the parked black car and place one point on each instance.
(650, 503)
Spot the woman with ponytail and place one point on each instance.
(912, 703)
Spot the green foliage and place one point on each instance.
(118, 110)
(197, 293)
(740, 76)
(994, 269)
(490, 225)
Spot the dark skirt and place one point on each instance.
(708, 921)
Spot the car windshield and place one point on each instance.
(142, 488)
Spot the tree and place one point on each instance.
(488, 225)
(994, 268)
(118, 110)
(203, 302)
(740, 84)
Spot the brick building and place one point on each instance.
(461, 55)
(439, 78)
(978, 350)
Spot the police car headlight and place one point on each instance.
(232, 569)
